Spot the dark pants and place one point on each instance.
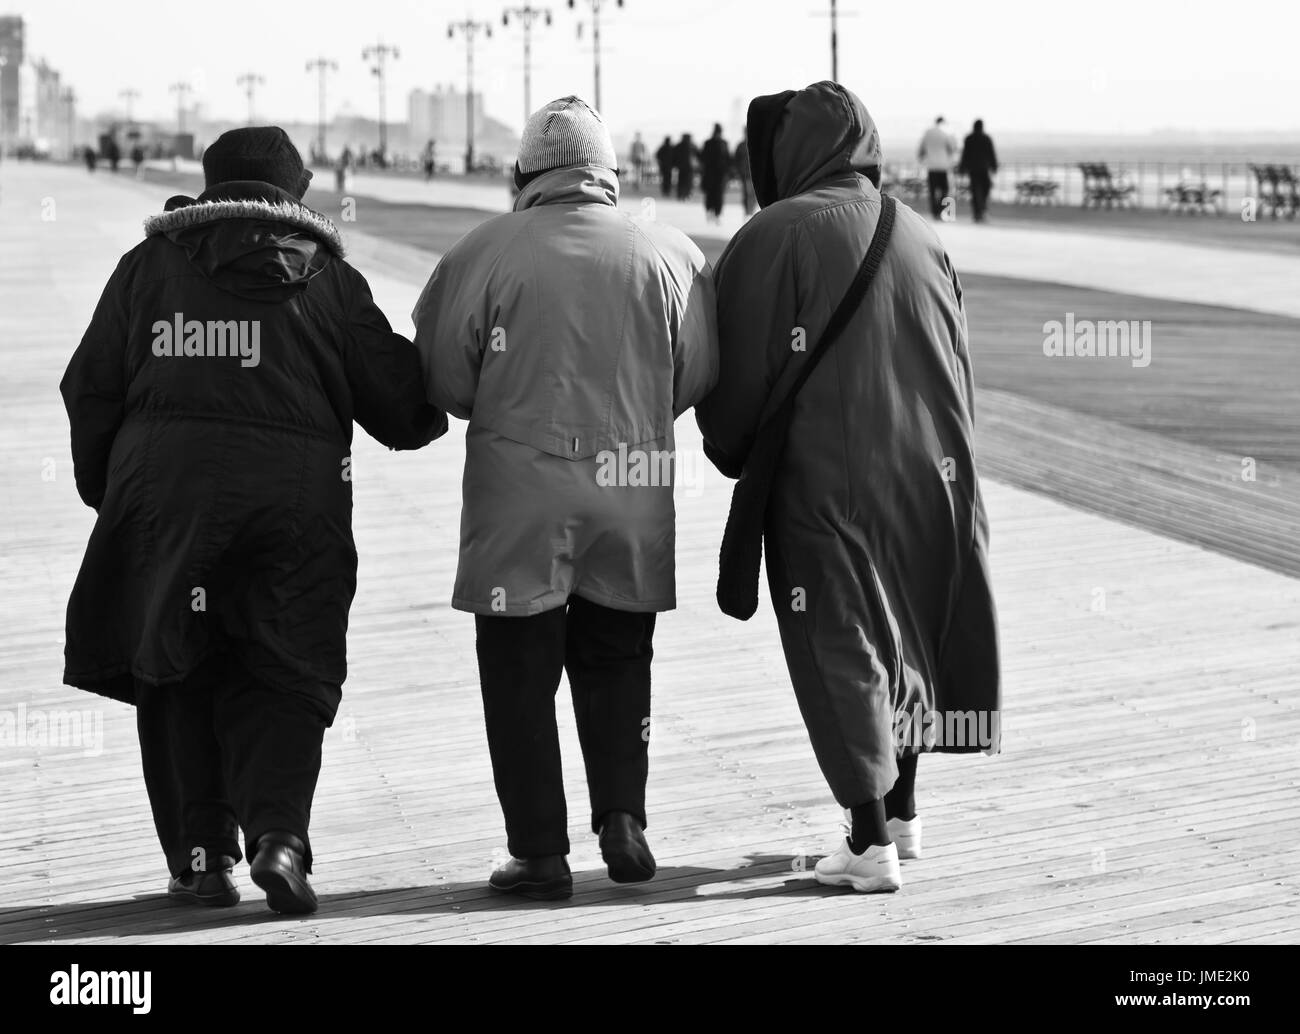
(980, 185)
(938, 182)
(666, 180)
(222, 751)
(607, 656)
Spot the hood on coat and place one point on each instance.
(251, 239)
(799, 138)
(570, 185)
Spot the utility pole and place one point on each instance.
(595, 42)
(250, 81)
(182, 90)
(323, 66)
(835, 13)
(527, 15)
(129, 95)
(69, 98)
(835, 44)
(470, 28)
(380, 53)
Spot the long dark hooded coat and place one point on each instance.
(877, 541)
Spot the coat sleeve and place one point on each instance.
(695, 351)
(94, 387)
(757, 306)
(449, 337)
(383, 370)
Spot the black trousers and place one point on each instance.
(938, 184)
(607, 655)
(980, 185)
(221, 751)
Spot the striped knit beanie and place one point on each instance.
(565, 132)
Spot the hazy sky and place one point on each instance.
(1078, 66)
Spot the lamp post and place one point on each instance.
(595, 5)
(527, 15)
(323, 66)
(250, 81)
(182, 90)
(379, 54)
(470, 28)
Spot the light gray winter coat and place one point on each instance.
(570, 335)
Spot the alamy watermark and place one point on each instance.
(211, 339)
(1112, 339)
(68, 730)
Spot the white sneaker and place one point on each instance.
(876, 869)
(906, 834)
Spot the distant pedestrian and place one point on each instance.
(343, 170)
(429, 159)
(741, 161)
(979, 161)
(685, 155)
(137, 159)
(90, 158)
(937, 151)
(638, 159)
(715, 166)
(113, 153)
(666, 156)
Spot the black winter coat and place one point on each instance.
(211, 403)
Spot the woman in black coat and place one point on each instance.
(211, 403)
(715, 164)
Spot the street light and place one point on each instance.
(182, 90)
(527, 15)
(250, 81)
(595, 41)
(323, 66)
(380, 53)
(129, 95)
(471, 29)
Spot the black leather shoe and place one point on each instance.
(542, 879)
(279, 870)
(215, 889)
(624, 848)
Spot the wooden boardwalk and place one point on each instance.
(1147, 790)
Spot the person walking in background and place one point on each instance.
(715, 168)
(430, 160)
(876, 537)
(666, 156)
(936, 154)
(91, 159)
(685, 155)
(137, 159)
(741, 159)
(570, 358)
(211, 403)
(343, 170)
(638, 160)
(979, 162)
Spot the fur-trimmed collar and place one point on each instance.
(204, 211)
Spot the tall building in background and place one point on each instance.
(440, 116)
(35, 118)
(11, 59)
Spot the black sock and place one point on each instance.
(900, 802)
(868, 826)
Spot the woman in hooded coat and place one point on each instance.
(875, 532)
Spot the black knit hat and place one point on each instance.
(262, 153)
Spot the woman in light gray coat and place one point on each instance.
(570, 335)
